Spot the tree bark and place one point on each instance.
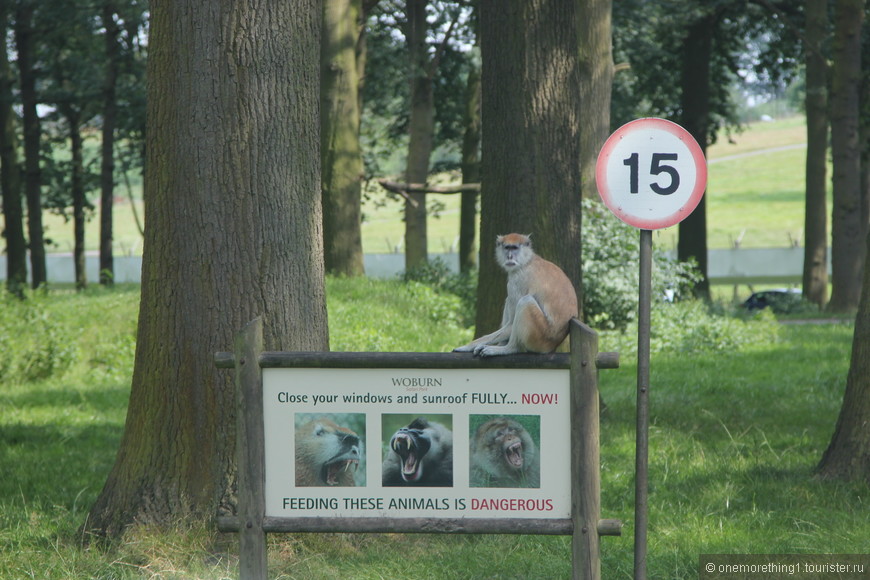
(530, 167)
(848, 454)
(10, 178)
(421, 127)
(107, 161)
(77, 188)
(341, 158)
(815, 273)
(234, 232)
(470, 174)
(596, 81)
(848, 228)
(695, 104)
(24, 44)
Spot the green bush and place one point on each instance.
(693, 327)
(34, 344)
(52, 351)
(611, 257)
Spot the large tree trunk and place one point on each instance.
(815, 274)
(848, 454)
(530, 172)
(107, 162)
(421, 126)
(10, 179)
(341, 158)
(24, 44)
(848, 227)
(234, 232)
(470, 174)
(596, 81)
(695, 101)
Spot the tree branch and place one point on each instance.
(404, 189)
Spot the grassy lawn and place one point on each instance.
(735, 435)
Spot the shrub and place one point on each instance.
(34, 344)
(611, 257)
(692, 327)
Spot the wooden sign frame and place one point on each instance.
(585, 524)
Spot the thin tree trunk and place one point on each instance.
(24, 44)
(815, 274)
(77, 188)
(470, 174)
(695, 101)
(596, 80)
(234, 232)
(530, 169)
(107, 164)
(421, 133)
(341, 158)
(10, 178)
(848, 228)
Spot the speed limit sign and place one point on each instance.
(651, 173)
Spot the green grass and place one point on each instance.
(735, 435)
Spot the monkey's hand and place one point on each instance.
(485, 350)
(465, 348)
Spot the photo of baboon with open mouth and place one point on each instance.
(503, 452)
(419, 454)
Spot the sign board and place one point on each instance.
(651, 173)
(413, 443)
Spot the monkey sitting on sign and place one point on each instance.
(541, 301)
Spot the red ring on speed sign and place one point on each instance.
(651, 173)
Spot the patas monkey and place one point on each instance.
(540, 303)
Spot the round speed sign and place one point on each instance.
(651, 173)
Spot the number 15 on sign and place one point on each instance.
(651, 173)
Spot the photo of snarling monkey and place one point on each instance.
(540, 303)
(420, 453)
(328, 454)
(503, 452)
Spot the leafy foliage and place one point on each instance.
(694, 327)
(753, 48)
(35, 346)
(386, 92)
(610, 270)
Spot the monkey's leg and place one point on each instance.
(500, 336)
(529, 331)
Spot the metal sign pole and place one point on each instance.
(642, 436)
(651, 173)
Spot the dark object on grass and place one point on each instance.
(780, 300)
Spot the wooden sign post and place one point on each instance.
(278, 389)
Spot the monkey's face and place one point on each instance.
(345, 460)
(513, 250)
(333, 451)
(512, 447)
(411, 444)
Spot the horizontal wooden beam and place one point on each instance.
(553, 527)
